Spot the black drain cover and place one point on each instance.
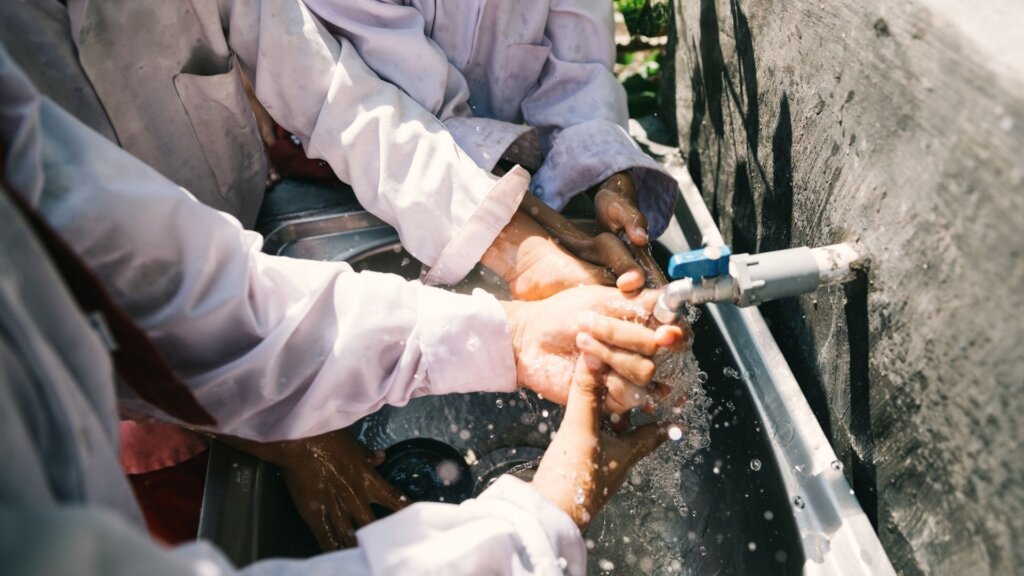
(428, 470)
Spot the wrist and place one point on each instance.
(514, 313)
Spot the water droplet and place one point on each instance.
(781, 556)
(580, 496)
(768, 515)
(675, 433)
(751, 546)
(755, 464)
(448, 472)
(605, 565)
(798, 501)
(837, 465)
(590, 544)
(542, 427)
(473, 343)
(464, 434)
(703, 551)
(562, 563)
(499, 403)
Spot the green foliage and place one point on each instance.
(644, 17)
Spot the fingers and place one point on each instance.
(608, 250)
(629, 335)
(622, 394)
(634, 367)
(389, 497)
(357, 509)
(636, 306)
(655, 277)
(616, 212)
(584, 404)
(341, 525)
(670, 336)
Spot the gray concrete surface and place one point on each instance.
(900, 125)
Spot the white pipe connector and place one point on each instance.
(756, 278)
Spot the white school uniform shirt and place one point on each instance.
(167, 76)
(504, 72)
(272, 347)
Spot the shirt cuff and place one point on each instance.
(586, 154)
(563, 537)
(485, 140)
(470, 242)
(464, 339)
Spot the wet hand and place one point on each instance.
(605, 249)
(332, 481)
(545, 345)
(533, 265)
(617, 210)
(582, 467)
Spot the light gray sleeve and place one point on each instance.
(510, 530)
(274, 348)
(88, 541)
(400, 159)
(580, 111)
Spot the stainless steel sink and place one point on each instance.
(763, 498)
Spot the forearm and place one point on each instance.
(402, 163)
(273, 347)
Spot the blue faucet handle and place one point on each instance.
(702, 263)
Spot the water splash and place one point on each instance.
(653, 501)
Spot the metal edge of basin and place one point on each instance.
(836, 535)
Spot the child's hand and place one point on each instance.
(617, 211)
(582, 468)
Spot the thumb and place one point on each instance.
(619, 214)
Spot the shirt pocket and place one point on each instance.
(225, 126)
(521, 69)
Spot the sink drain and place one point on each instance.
(427, 470)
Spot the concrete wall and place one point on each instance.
(899, 124)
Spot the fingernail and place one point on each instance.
(641, 232)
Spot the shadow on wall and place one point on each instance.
(711, 82)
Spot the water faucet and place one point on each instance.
(715, 274)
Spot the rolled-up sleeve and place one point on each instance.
(273, 347)
(580, 110)
(402, 162)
